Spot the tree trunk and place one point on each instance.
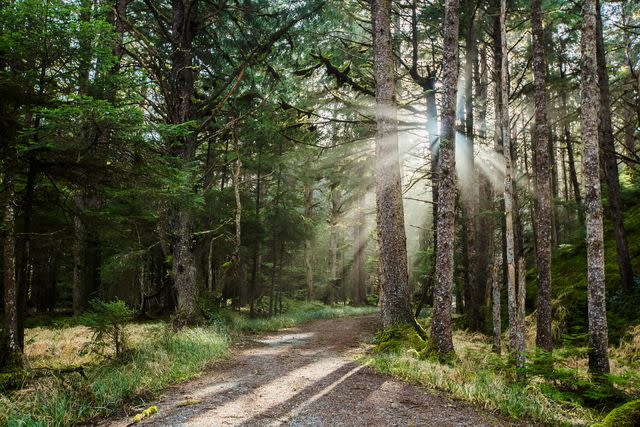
(543, 184)
(470, 189)
(181, 110)
(257, 246)
(336, 197)
(486, 222)
(598, 334)
(11, 346)
(238, 261)
(389, 209)
(495, 299)
(508, 189)
(79, 251)
(359, 242)
(610, 163)
(308, 254)
(441, 331)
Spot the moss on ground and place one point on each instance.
(627, 415)
(399, 338)
(12, 380)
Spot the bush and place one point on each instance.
(107, 321)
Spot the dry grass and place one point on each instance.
(47, 347)
(489, 380)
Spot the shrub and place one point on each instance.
(107, 321)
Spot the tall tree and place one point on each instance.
(11, 355)
(389, 209)
(441, 324)
(180, 112)
(470, 185)
(609, 161)
(590, 106)
(543, 182)
(512, 297)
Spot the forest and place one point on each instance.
(447, 190)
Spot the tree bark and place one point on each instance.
(470, 190)
(543, 183)
(11, 346)
(238, 261)
(598, 334)
(389, 209)
(508, 190)
(495, 303)
(308, 254)
(181, 110)
(610, 163)
(441, 332)
(336, 202)
(359, 241)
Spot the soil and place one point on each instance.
(307, 376)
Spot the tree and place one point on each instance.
(516, 332)
(543, 182)
(389, 209)
(609, 161)
(590, 105)
(441, 324)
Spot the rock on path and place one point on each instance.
(306, 376)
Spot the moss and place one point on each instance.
(627, 415)
(400, 338)
(12, 380)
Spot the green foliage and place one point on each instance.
(564, 384)
(107, 321)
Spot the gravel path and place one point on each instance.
(306, 376)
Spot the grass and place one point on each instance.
(300, 314)
(157, 358)
(559, 395)
(480, 377)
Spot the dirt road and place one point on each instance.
(306, 376)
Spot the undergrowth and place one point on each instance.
(157, 358)
(557, 389)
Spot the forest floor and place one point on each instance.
(307, 376)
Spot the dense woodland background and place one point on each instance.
(189, 155)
